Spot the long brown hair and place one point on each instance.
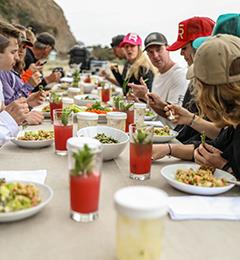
(220, 103)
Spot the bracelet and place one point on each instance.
(170, 150)
(192, 121)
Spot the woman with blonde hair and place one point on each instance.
(138, 69)
(216, 81)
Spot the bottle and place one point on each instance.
(86, 119)
(140, 215)
(117, 120)
(139, 113)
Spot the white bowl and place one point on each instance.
(81, 101)
(110, 151)
(169, 174)
(87, 87)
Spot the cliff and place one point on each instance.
(41, 15)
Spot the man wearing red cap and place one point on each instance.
(188, 31)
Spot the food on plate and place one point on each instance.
(104, 139)
(46, 109)
(17, 196)
(162, 131)
(37, 135)
(149, 113)
(98, 108)
(74, 108)
(202, 177)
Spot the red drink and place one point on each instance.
(84, 193)
(62, 133)
(54, 106)
(105, 94)
(129, 120)
(140, 158)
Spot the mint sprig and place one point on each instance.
(142, 136)
(83, 162)
(65, 116)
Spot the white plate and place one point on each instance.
(169, 174)
(165, 138)
(31, 144)
(81, 101)
(149, 118)
(46, 195)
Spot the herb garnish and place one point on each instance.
(83, 162)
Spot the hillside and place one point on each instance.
(41, 15)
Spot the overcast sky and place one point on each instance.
(96, 21)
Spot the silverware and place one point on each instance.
(233, 182)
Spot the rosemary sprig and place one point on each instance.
(203, 137)
(83, 162)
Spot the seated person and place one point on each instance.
(222, 109)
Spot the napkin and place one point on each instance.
(199, 207)
(38, 176)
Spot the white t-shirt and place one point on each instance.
(171, 85)
(8, 126)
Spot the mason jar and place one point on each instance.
(140, 216)
(86, 119)
(66, 101)
(117, 120)
(72, 92)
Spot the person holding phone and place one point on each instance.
(38, 54)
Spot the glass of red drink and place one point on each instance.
(55, 103)
(63, 129)
(84, 163)
(140, 151)
(105, 93)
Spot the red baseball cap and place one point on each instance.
(131, 38)
(190, 29)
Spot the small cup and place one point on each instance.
(67, 101)
(72, 92)
(63, 130)
(86, 119)
(140, 218)
(117, 120)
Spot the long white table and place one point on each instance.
(51, 234)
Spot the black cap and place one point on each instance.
(47, 39)
(155, 38)
(25, 40)
(116, 40)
